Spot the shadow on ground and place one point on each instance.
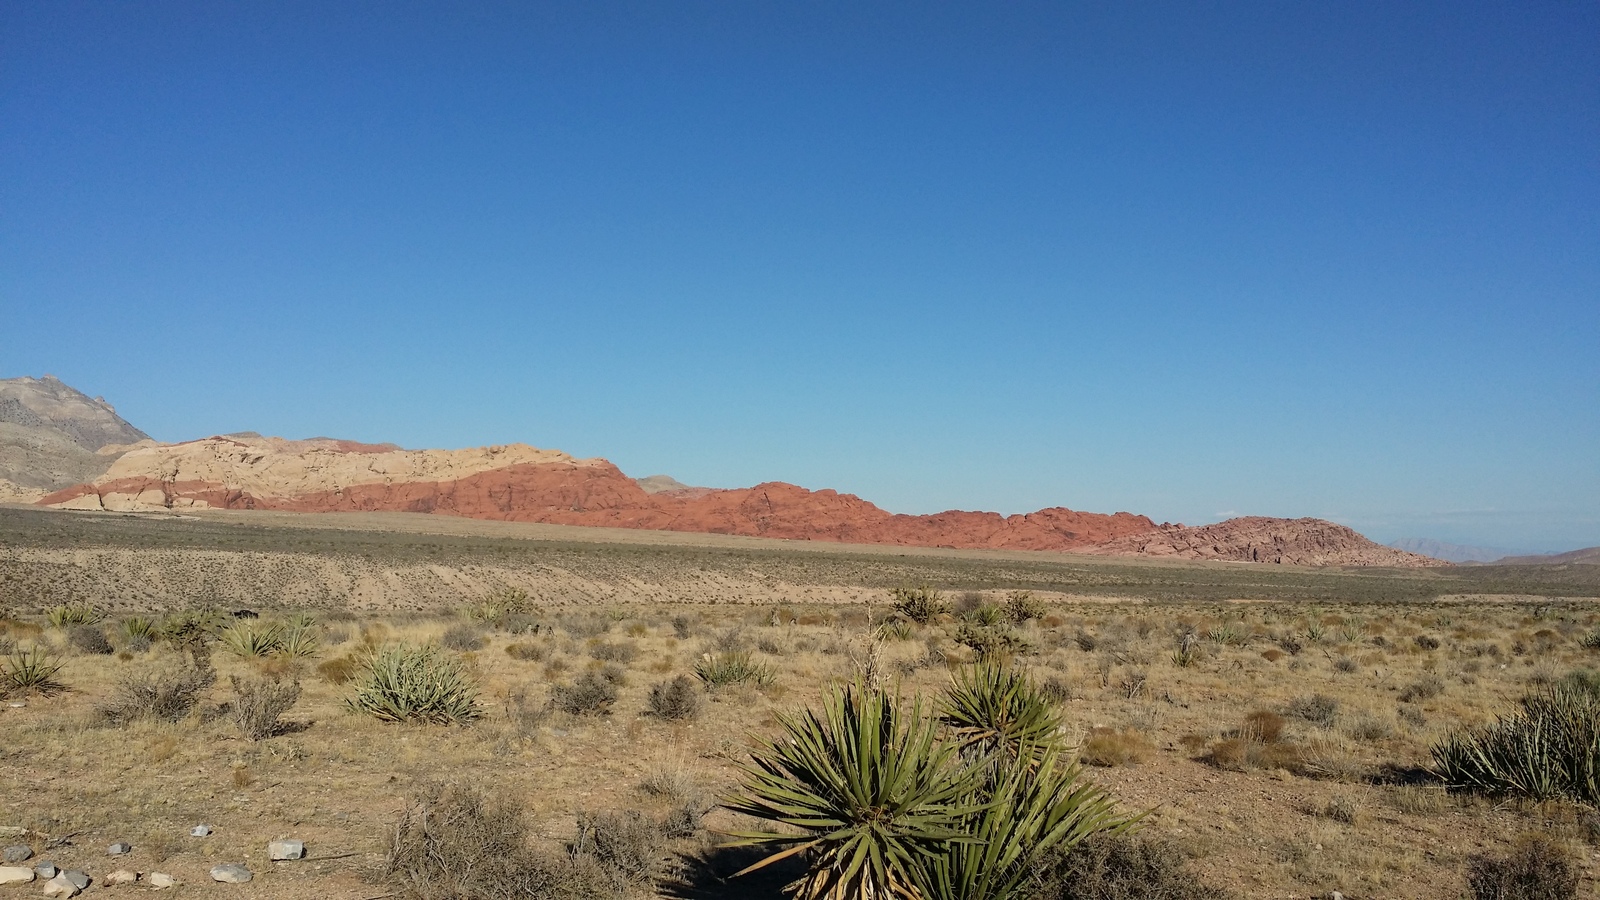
(709, 875)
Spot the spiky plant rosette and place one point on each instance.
(402, 683)
(995, 708)
(870, 790)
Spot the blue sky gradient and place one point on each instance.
(1339, 260)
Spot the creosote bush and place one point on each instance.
(463, 638)
(406, 683)
(89, 639)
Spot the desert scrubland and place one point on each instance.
(1274, 725)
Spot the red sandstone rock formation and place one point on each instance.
(523, 484)
(1295, 542)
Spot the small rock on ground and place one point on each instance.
(200, 831)
(46, 869)
(230, 874)
(122, 876)
(286, 849)
(119, 848)
(16, 875)
(17, 853)
(161, 880)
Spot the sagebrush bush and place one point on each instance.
(402, 682)
(619, 651)
(463, 638)
(456, 843)
(339, 670)
(89, 639)
(675, 699)
(1318, 709)
(1536, 869)
(1104, 746)
(1119, 867)
(526, 652)
(626, 843)
(259, 705)
(163, 696)
(1425, 688)
(590, 694)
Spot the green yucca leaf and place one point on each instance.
(403, 683)
(1549, 748)
(869, 786)
(33, 669)
(993, 707)
(253, 640)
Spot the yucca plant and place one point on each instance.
(31, 670)
(70, 614)
(1549, 748)
(300, 621)
(875, 796)
(734, 667)
(402, 682)
(1022, 606)
(253, 639)
(300, 643)
(1027, 811)
(139, 627)
(993, 707)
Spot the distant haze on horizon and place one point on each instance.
(1279, 260)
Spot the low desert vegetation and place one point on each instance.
(1338, 731)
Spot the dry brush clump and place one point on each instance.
(676, 699)
(1536, 868)
(1119, 867)
(259, 705)
(167, 696)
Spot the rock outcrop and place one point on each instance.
(1258, 539)
(51, 435)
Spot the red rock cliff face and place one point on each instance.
(524, 484)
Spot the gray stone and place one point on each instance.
(46, 869)
(161, 880)
(61, 886)
(15, 875)
(200, 831)
(80, 880)
(17, 853)
(286, 849)
(119, 848)
(230, 874)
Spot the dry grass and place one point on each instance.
(1276, 773)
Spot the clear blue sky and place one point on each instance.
(1189, 260)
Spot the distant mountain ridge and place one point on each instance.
(520, 483)
(1456, 553)
(51, 436)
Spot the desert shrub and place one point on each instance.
(1591, 640)
(253, 639)
(456, 843)
(725, 669)
(1086, 641)
(30, 671)
(1318, 709)
(463, 637)
(524, 714)
(1413, 717)
(259, 705)
(401, 683)
(500, 605)
(1290, 644)
(675, 699)
(1367, 727)
(1426, 642)
(526, 652)
(140, 644)
(682, 628)
(1536, 869)
(1022, 606)
(590, 694)
(89, 639)
(339, 670)
(620, 652)
(1425, 688)
(70, 614)
(583, 627)
(614, 673)
(1262, 727)
(984, 615)
(991, 707)
(921, 605)
(990, 643)
(1548, 748)
(626, 843)
(1342, 808)
(896, 630)
(520, 623)
(1057, 690)
(1346, 665)
(163, 697)
(1119, 867)
(1105, 746)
